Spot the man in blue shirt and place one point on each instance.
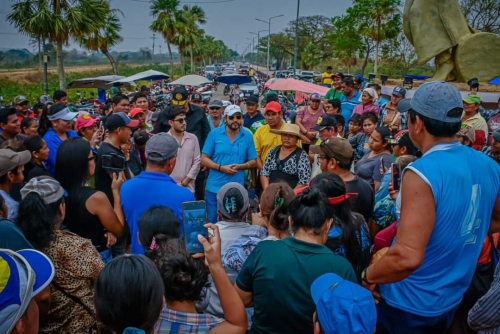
(154, 186)
(449, 201)
(349, 100)
(228, 151)
(60, 129)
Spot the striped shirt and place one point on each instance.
(484, 316)
(174, 322)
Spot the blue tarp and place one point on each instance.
(417, 77)
(495, 81)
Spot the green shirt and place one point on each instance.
(333, 94)
(280, 275)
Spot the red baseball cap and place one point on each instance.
(273, 106)
(480, 139)
(135, 111)
(84, 121)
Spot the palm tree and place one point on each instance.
(58, 20)
(310, 55)
(209, 47)
(191, 33)
(166, 23)
(105, 37)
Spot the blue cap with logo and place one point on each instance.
(23, 275)
(343, 306)
(435, 99)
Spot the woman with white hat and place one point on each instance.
(369, 101)
(287, 162)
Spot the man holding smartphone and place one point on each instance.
(228, 151)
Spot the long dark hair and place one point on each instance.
(129, 293)
(33, 143)
(158, 223)
(72, 168)
(44, 124)
(37, 219)
(274, 204)
(310, 210)
(332, 185)
(26, 122)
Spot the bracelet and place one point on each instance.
(219, 167)
(363, 276)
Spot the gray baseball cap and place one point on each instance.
(232, 200)
(161, 146)
(215, 103)
(399, 91)
(46, 187)
(435, 99)
(10, 160)
(404, 105)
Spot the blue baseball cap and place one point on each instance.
(315, 96)
(360, 77)
(23, 275)
(435, 99)
(343, 306)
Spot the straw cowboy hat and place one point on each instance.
(291, 129)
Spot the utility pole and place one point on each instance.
(45, 63)
(295, 50)
(153, 55)
(160, 52)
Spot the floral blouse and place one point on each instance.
(290, 165)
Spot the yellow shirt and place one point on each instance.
(328, 78)
(251, 72)
(477, 122)
(265, 140)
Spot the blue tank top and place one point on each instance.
(465, 185)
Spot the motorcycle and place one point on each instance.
(226, 90)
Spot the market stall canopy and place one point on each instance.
(143, 76)
(191, 80)
(296, 85)
(231, 79)
(103, 82)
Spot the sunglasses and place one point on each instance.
(180, 120)
(235, 116)
(214, 108)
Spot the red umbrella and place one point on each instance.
(296, 85)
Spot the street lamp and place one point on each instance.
(258, 42)
(269, 37)
(295, 49)
(251, 48)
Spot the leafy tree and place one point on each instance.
(311, 55)
(58, 20)
(189, 34)
(345, 40)
(105, 37)
(482, 15)
(167, 15)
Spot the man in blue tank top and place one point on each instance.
(446, 212)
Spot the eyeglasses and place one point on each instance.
(235, 116)
(180, 120)
(328, 107)
(214, 108)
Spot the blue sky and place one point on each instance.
(228, 21)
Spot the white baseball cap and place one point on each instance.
(232, 109)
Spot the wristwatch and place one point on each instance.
(363, 277)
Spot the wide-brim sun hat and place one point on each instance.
(291, 129)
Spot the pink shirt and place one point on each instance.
(309, 120)
(361, 109)
(188, 160)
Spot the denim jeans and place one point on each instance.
(211, 202)
(391, 320)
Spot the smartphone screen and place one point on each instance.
(396, 176)
(113, 162)
(194, 217)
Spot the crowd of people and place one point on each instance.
(361, 215)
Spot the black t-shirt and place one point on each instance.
(32, 170)
(102, 179)
(365, 201)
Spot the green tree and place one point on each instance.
(167, 17)
(105, 37)
(310, 56)
(345, 40)
(188, 31)
(58, 20)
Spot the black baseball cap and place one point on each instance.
(120, 120)
(145, 88)
(179, 96)
(326, 121)
(356, 118)
(252, 99)
(196, 97)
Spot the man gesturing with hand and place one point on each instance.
(228, 151)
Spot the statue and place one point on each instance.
(437, 29)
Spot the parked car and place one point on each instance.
(209, 70)
(307, 76)
(243, 69)
(250, 88)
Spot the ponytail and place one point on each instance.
(37, 219)
(279, 216)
